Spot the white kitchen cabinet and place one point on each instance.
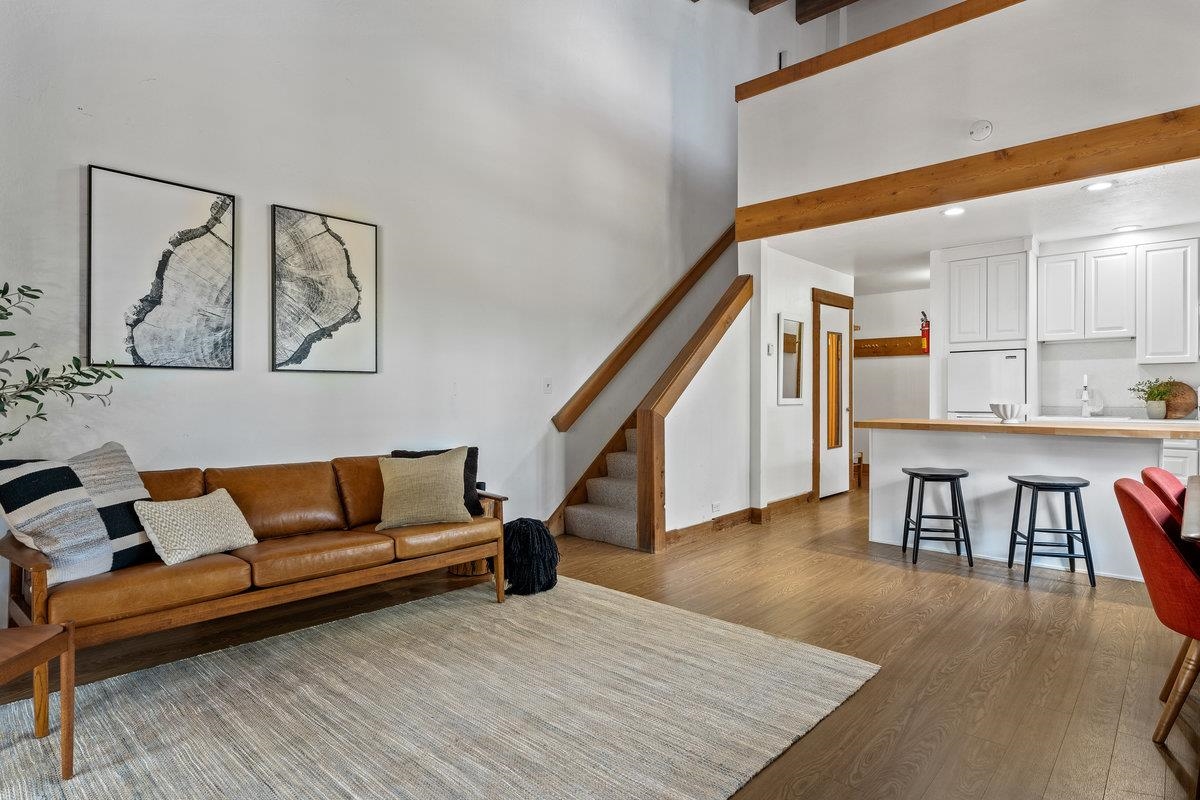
(1179, 459)
(968, 300)
(1110, 286)
(988, 299)
(1060, 297)
(1168, 320)
(1006, 297)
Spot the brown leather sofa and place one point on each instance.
(315, 525)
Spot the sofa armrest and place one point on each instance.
(493, 505)
(24, 557)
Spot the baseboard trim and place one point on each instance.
(761, 516)
(715, 524)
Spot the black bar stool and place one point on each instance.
(957, 515)
(1069, 488)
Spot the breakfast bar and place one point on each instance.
(1098, 450)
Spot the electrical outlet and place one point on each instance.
(716, 508)
(547, 386)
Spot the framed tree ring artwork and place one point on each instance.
(324, 296)
(160, 272)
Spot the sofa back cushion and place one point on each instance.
(174, 484)
(282, 499)
(361, 484)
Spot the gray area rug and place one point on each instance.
(580, 692)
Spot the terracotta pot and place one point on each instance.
(1156, 409)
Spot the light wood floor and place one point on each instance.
(988, 688)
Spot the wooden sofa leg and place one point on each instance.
(66, 703)
(499, 561)
(41, 700)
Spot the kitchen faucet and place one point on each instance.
(1087, 408)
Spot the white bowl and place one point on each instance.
(1010, 413)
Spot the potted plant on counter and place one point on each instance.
(1154, 392)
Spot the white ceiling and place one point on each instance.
(892, 253)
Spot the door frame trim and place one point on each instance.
(822, 297)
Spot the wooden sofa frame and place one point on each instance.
(27, 563)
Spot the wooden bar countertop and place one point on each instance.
(1140, 429)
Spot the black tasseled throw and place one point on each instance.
(530, 557)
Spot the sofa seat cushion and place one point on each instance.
(144, 588)
(274, 562)
(414, 541)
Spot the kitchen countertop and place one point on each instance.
(1147, 429)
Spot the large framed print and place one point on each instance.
(160, 272)
(324, 292)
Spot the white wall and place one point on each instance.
(708, 434)
(540, 171)
(897, 386)
(781, 436)
(1036, 69)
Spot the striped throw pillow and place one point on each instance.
(47, 508)
(113, 482)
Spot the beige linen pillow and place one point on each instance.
(422, 491)
(185, 529)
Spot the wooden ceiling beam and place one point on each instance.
(808, 10)
(759, 6)
(1112, 149)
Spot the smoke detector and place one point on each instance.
(981, 129)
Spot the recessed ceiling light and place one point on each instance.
(953, 211)
(1099, 186)
(1127, 228)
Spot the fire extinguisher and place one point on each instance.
(924, 333)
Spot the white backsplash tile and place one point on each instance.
(1111, 367)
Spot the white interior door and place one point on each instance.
(833, 443)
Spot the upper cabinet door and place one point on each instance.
(1111, 287)
(968, 300)
(1167, 323)
(1061, 297)
(1006, 297)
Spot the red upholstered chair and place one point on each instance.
(1173, 585)
(1167, 488)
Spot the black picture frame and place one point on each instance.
(374, 299)
(90, 317)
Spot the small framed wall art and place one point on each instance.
(160, 272)
(324, 292)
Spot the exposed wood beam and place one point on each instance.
(1136, 144)
(808, 10)
(892, 37)
(758, 6)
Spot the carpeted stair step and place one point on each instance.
(615, 492)
(603, 524)
(631, 440)
(622, 465)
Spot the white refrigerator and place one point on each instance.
(978, 378)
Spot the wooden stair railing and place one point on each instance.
(619, 357)
(653, 410)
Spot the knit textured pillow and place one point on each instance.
(113, 482)
(423, 491)
(48, 509)
(182, 530)
(470, 474)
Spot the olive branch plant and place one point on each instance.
(23, 395)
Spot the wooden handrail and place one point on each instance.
(573, 409)
(653, 410)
